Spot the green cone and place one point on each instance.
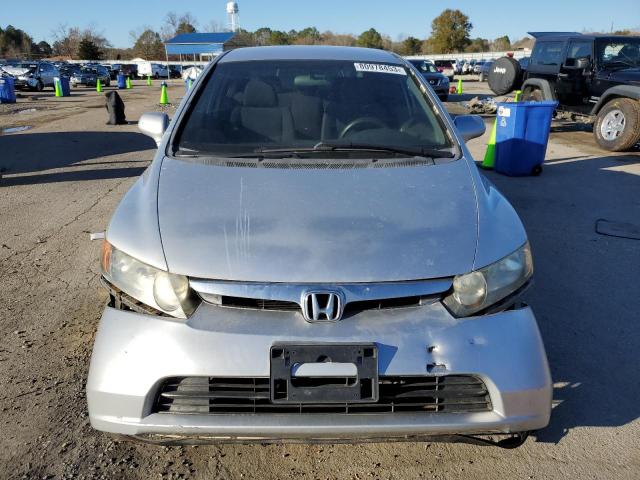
(490, 153)
(164, 98)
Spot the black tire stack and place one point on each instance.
(505, 76)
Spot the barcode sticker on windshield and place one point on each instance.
(377, 67)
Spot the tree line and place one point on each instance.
(450, 33)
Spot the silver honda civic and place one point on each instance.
(314, 256)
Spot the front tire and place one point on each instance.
(532, 95)
(39, 86)
(617, 126)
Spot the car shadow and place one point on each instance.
(24, 155)
(586, 296)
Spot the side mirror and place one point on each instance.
(469, 126)
(154, 124)
(581, 63)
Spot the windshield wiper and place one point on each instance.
(420, 151)
(324, 147)
(187, 153)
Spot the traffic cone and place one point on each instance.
(518, 94)
(490, 154)
(459, 89)
(129, 82)
(164, 98)
(149, 83)
(58, 87)
(98, 86)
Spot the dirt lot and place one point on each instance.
(64, 178)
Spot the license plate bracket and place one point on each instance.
(286, 388)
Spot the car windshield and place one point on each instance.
(424, 67)
(246, 108)
(619, 53)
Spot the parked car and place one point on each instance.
(478, 66)
(437, 81)
(155, 70)
(89, 75)
(445, 67)
(313, 255)
(484, 69)
(129, 69)
(32, 75)
(69, 70)
(594, 77)
(113, 71)
(175, 71)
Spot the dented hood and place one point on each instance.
(317, 225)
(18, 71)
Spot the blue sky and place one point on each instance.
(491, 18)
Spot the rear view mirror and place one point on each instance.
(469, 126)
(154, 124)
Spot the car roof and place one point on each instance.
(562, 36)
(310, 52)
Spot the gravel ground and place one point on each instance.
(65, 176)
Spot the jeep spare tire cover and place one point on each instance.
(505, 75)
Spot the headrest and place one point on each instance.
(259, 94)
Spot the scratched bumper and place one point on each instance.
(133, 353)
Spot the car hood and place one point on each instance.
(18, 71)
(317, 225)
(627, 75)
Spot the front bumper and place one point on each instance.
(134, 352)
(86, 82)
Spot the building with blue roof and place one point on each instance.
(201, 44)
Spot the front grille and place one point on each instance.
(219, 395)
(257, 303)
(350, 308)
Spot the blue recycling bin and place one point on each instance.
(522, 133)
(7, 90)
(122, 81)
(65, 88)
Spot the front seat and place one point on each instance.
(261, 116)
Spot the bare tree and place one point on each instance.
(67, 39)
(215, 26)
(175, 24)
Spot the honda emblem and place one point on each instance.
(322, 306)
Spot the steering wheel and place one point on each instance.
(360, 122)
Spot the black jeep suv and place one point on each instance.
(596, 77)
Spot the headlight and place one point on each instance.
(164, 291)
(478, 290)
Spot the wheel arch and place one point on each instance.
(619, 91)
(542, 85)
